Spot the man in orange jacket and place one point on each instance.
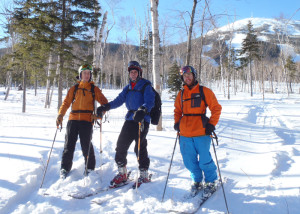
(195, 129)
(81, 96)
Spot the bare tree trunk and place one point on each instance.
(234, 82)
(124, 72)
(48, 84)
(222, 74)
(201, 42)
(156, 55)
(9, 80)
(61, 58)
(100, 46)
(228, 82)
(263, 82)
(149, 55)
(24, 92)
(95, 50)
(190, 32)
(55, 80)
(35, 85)
(271, 79)
(251, 78)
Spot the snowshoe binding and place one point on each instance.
(120, 179)
(144, 178)
(209, 188)
(196, 187)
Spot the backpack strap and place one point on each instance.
(202, 96)
(144, 86)
(92, 91)
(93, 95)
(74, 93)
(142, 91)
(182, 99)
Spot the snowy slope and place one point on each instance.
(259, 155)
(265, 25)
(267, 30)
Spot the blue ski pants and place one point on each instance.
(197, 158)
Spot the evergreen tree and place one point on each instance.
(174, 80)
(145, 55)
(76, 17)
(249, 51)
(31, 29)
(46, 26)
(291, 68)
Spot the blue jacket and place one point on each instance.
(135, 99)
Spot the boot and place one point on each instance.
(120, 178)
(195, 188)
(144, 178)
(63, 173)
(209, 188)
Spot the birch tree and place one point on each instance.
(98, 49)
(190, 33)
(156, 54)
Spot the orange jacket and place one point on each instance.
(83, 101)
(192, 126)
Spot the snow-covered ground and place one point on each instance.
(258, 153)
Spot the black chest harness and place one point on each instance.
(83, 90)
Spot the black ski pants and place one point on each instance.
(130, 132)
(85, 131)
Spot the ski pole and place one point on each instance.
(138, 157)
(100, 124)
(216, 138)
(49, 157)
(170, 167)
(87, 159)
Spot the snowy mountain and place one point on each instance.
(258, 153)
(270, 31)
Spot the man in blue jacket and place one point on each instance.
(139, 98)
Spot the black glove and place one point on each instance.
(59, 120)
(101, 109)
(209, 128)
(140, 114)
(176, 127)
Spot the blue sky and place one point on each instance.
(169, 11)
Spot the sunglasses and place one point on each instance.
(186, 70)
(86, 67)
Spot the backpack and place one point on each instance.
(93, 94)
(155, 112)
(202, 97)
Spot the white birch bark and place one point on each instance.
(156, 55)
(48, 85)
